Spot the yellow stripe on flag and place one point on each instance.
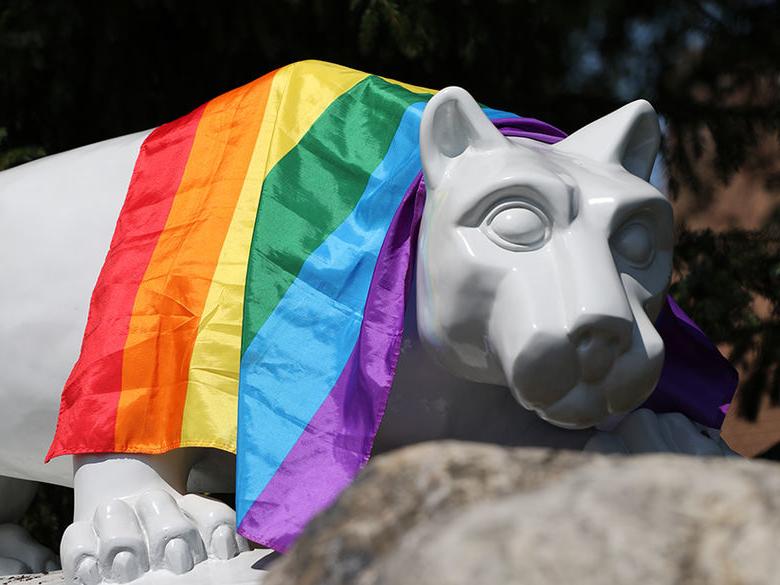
(299, 94)
(313, 87)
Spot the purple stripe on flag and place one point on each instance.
(529, 128)
(337, 442)
(696, 379)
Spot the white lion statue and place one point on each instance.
(541, 269)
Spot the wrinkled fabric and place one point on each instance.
(696, 379)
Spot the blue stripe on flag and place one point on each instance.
(307, 340)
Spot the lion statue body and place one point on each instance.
(540, 272)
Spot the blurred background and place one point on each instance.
(73, 73)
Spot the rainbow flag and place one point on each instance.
(167, 329)
(253, 295)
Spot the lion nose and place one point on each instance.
(600, 340)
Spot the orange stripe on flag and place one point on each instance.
(87, 418)
(173, 292)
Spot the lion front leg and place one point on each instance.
(133, 515)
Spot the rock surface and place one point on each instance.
(455, 513)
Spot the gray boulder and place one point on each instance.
(454, 513)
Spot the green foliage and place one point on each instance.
(78, 72)
(724, 275)
(10, 157)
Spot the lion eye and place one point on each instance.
(516, 227)
(634, 242)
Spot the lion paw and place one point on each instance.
(644, 431)
(20, 554)
(128, 537)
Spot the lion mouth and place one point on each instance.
(596, 358)
(585, 405)
(599, 390)
(580, 382)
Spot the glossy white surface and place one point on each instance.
(540, 268)
(644, 431)
(57, 216)
(133, 515)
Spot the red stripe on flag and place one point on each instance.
(96, 380)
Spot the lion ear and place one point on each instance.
(452, 123)
(629, 136)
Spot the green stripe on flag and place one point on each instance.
(315, 186)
